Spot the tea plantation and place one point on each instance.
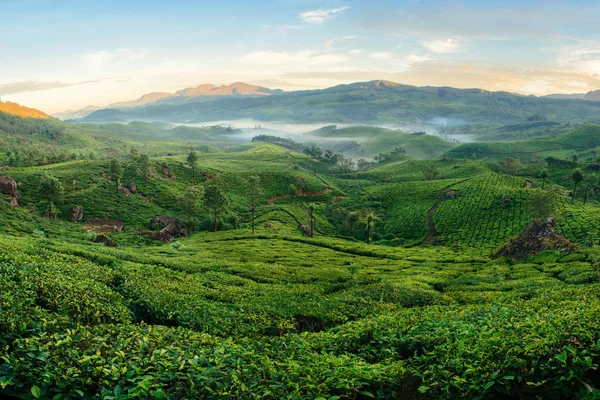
(351, 284)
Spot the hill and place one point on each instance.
(370, 102)
(592, 96)
(204, 92)
(18, 110)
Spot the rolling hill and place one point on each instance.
(18, 110)
(368, 102)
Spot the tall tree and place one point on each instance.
(590, 182)
(143, 162)
(577, 177)
(215, 201)
(542, 203)
(352, 220)
(51, 190)
(575, 160)
(192, 160)
(115, 172)
(369, 228)
(544, 175)
(254, 193)
(310, 208)
(190, 203)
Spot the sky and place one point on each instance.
(66, 54)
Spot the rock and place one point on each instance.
(106, 240)
(132, 187)
(14, 203)
(160, 222)
(171, 229)
(124, 190)
(5, 168)
(74, 182)
(104, 225)
(76, 214)
(8, 186)
(304, 229)
(165, 171)
(451, 194)
(536, 237)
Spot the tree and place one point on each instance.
(544, 175)
(369, 227)
(51, 190)
(192, 160)
(352, 220)
(254, 193)
(115, 172)
(432, 172)
(590, 182)
(143, 162)
(510, 166)
(577, 177)
(575, 160)
(215, 201)
(542, 203)
(534, 167)
(310, 208)
(190, 203)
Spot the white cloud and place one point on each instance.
(300, 58)
(97, 60)
(538, 86)
(382, 55)
(583, 56)
(405, 64)
(355, 52)
(445, 45)
(333, 42)
(319, 15)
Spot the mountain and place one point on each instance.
(363, 102)
(204, 92)
(592, 96)
(562, 96)
(75, 114)
(18, 110)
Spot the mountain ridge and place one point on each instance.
(18, 110)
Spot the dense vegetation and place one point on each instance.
(295, 273)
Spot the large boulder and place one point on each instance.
(171, 229)
(106, 240)
(538, 236)
(104, 225)
(8, 186)
(132, 187)
(76, 214)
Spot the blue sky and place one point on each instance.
(58, 54)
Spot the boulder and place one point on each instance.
(538, 236)
(106, 240)
(167, 234)
(14, 203)
(8, 186)
(451, 194)
(76, 214)
(160, 222)
(5, 168)
(74, 182)
(104, 225)
(304, 229)
(132, 187)
(124, 190)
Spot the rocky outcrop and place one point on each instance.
(132, 187)
(74, 182)
(14, 203)
(124, 190)
(164, 169)
(304, 229)
(5, 168)
(106, 240)
(538, 236)
(104, 225)
(169, 228)
(8, 186)
(76, 214)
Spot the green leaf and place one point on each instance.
(423, 389)
(36, 391)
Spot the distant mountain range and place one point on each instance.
(205, 92)
(18, 110)
(362, 102)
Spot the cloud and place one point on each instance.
(443, 46)
(320, 15)
(332, 42)
(39, 86)
(355, 52)
(582, 56)
(300, 58)
(382, 55)
(97, 60)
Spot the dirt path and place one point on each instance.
(300, 194)
(432, 235)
